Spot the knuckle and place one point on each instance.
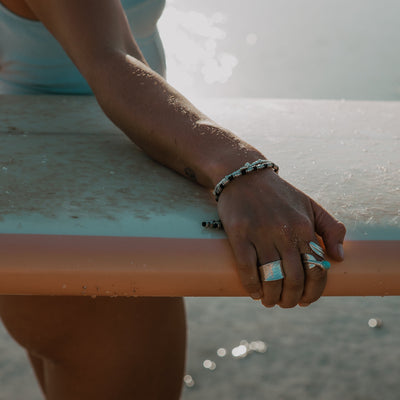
(287, 304)
(292, 232)
(316, 274)
(322, 216)
(341, 229)
(250, 282)
(268, 303)
(251, 287)
(295, 283)
(286, 231)
(310, 299)
(309, 231)
(272, 293)
(273, 285)
(259, 228)
(243, 269)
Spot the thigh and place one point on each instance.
(103, 345)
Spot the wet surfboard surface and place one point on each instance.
(84, 211)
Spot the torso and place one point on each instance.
(33, 62)
(20, 8)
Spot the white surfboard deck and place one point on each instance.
(67, 172)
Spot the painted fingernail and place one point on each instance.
(340, 250)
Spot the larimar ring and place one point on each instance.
(317, 249)
(271, 271)
(310, 262)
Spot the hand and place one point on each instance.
(267, 219)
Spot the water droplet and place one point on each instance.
(375, 323)
(189, 381)
(208, 364)
(240, 351)
(258, 346)
(221, 352)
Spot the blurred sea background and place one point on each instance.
(338, 348)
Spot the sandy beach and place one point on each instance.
(326, 351)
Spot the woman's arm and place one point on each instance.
(96, 36)
(265, 217)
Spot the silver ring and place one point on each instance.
(310, 262)
(271, 271)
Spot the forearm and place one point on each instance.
(165, 124)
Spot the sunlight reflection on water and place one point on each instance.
(191, 41)
(283, 49)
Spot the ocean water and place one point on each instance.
(329, 49)
(288, 49)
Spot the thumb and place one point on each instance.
(331, 230)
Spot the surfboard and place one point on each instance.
(83, 211)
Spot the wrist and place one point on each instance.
(230, 162)
(246, 169)
(217, 152)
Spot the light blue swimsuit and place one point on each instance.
(32, 61)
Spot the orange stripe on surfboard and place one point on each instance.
(127, 266)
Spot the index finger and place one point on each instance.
(315, 273)
(330, 229)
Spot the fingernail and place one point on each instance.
(304, 304)
(340, 250)
(256, 295)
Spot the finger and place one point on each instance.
(272, 292)
(246, 259)
(293, 284)
(315, 276)
(331, 230)
(271, 288)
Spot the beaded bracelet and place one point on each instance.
(255, 166)
(214, 224)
